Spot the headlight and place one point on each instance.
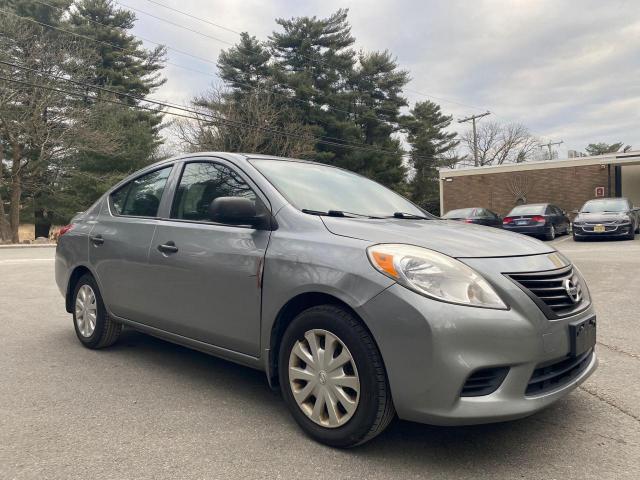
(434, 275)
(622, 221)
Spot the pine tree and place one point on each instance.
(39, 122)
(121, 64)
(426, 133)
(246, 66)
(376, 91)
(313, 63)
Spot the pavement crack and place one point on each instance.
(609, 402)
(619, 350)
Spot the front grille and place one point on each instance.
(484, 382)
(550, 377)
(607, 228)
(552, 290)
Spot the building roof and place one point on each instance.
(619, 158)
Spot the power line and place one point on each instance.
(168, 104)
(311, 59)
(168, 47)
(199, 115)
(318, 61)
(175, 10)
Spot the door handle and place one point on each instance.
(168, 247)
(97, 239)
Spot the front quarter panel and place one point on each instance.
(309, 259)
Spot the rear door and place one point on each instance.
(207, 286)
(119, 243)
(556, 217)
(495, 219)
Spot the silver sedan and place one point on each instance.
(356, 303)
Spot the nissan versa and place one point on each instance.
(357, 303)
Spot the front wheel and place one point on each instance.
(93, 326)
(332, 377)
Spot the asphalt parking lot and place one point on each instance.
(149, 409)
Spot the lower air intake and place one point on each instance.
(484, 382)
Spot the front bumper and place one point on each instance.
(611, 230)
(431, 348)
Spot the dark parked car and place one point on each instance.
(537, 219)
(481, 216)
(607, 217)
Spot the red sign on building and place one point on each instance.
(599, 192)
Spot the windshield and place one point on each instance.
(461, 213)
(312, 186)
(609, 205)
(528, 210)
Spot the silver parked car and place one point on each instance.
(357, 303)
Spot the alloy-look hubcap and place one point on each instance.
(86, 311)
(324, 379)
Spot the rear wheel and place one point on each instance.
(551, 234)
(93, 326)
(332, 377)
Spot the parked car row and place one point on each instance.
(602, 217)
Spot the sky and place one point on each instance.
(567, 70)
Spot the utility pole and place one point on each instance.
(549, 145)
(475, 137)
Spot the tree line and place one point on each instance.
(75, 117)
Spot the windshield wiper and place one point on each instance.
(409, 216)
(337, 213)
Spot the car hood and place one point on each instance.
(601, 217)
(456, 239)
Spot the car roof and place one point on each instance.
(607, 198)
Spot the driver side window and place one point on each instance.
(201, 183)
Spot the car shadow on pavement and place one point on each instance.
(403, 442)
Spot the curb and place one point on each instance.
(36, 245)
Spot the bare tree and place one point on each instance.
(41, 120)
(498, 143)
(228, 123)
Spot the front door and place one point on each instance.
(205, 276)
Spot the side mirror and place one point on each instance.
(575, 212)
(238, 211)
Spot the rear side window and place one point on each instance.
(118, 198)
(201, 183)
(141, 197)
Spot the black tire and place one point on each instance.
(551, 234)
(638, 227)
(632, 235)
(106, 330)
(375, 408)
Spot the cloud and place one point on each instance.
(566, 70)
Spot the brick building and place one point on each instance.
(566, 183)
